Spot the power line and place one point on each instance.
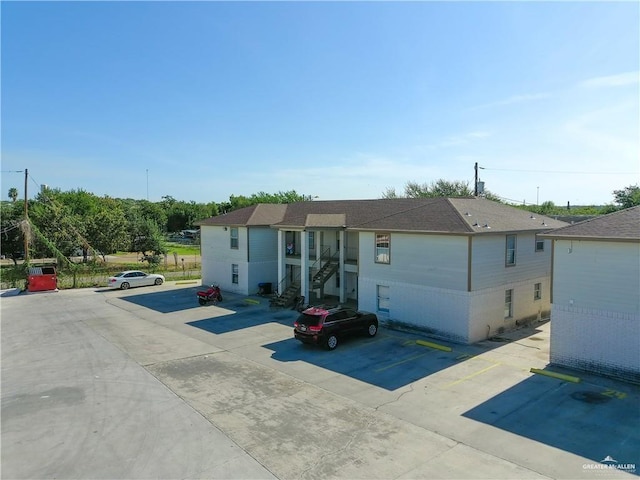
(559, 171)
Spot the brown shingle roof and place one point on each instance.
(621, 225)
(263, 214)
(439, 215)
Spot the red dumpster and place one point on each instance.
(41, 279)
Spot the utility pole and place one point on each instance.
(26, 217)
(475, 183)
(478, 185)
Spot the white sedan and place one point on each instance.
(134, 278)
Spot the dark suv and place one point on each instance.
(324, 327)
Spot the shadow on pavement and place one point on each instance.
(385, 361)
(166, 301)
(241, 315)
(555, 412)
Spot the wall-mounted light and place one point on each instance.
(225, 229)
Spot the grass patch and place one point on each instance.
(181, 249)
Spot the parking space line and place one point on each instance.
(479, 372)
(401, 362)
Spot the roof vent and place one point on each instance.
(544, 224)
(486, 225)
(467, 214)
(532, 217)
(476, 224)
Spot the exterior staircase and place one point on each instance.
(288, 297)
(324, 274)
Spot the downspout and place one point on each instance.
(553, 253)
(469, 261)
(304, 266)
(343, 279)
(248, 246)
(281, 266)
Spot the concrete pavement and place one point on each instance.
(146, 384)
(76, 406)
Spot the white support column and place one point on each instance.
(343, 277)
(304, 266)
(281, 266)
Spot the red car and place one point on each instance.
(325, 327)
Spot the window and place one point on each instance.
(338, 316)
(508, 303)
(382, 247)
(537, 291)
(539, 245)
(383, 298)
(312, 240)
(338, 279)
(510, 258)
(234, 237)
(234, 273)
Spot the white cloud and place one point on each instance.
(609, 81)
(514, 99)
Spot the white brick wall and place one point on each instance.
(440, 311)
(596, 340)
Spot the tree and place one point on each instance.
(57, 223)
(240, 201)
(183, 215)
(627, 197)
(62, 219)
(13, 194)
(439, 188)
(11, 214)
(107, 228)
(148, 241)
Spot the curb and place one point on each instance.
(559, 376)
(433, 345)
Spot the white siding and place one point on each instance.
(263, 258)
(442, 312)
(597, 275)
(595, 316)
(486, 318)
(428, 260)
(218, 256)
(263, 244)
(427, 282)
(488, 261)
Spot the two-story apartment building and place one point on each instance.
(596, 295)
(462, 268)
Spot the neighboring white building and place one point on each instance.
(595, 314)
(462, 268)
(240, 249)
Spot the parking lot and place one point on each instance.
(145, 383)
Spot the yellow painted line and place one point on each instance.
(251, 300)
(479, 372)
(400, 362)
(433, 345)
(465, 356)
(186, 282)
(559, 376)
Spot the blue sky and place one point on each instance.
(203, 100)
